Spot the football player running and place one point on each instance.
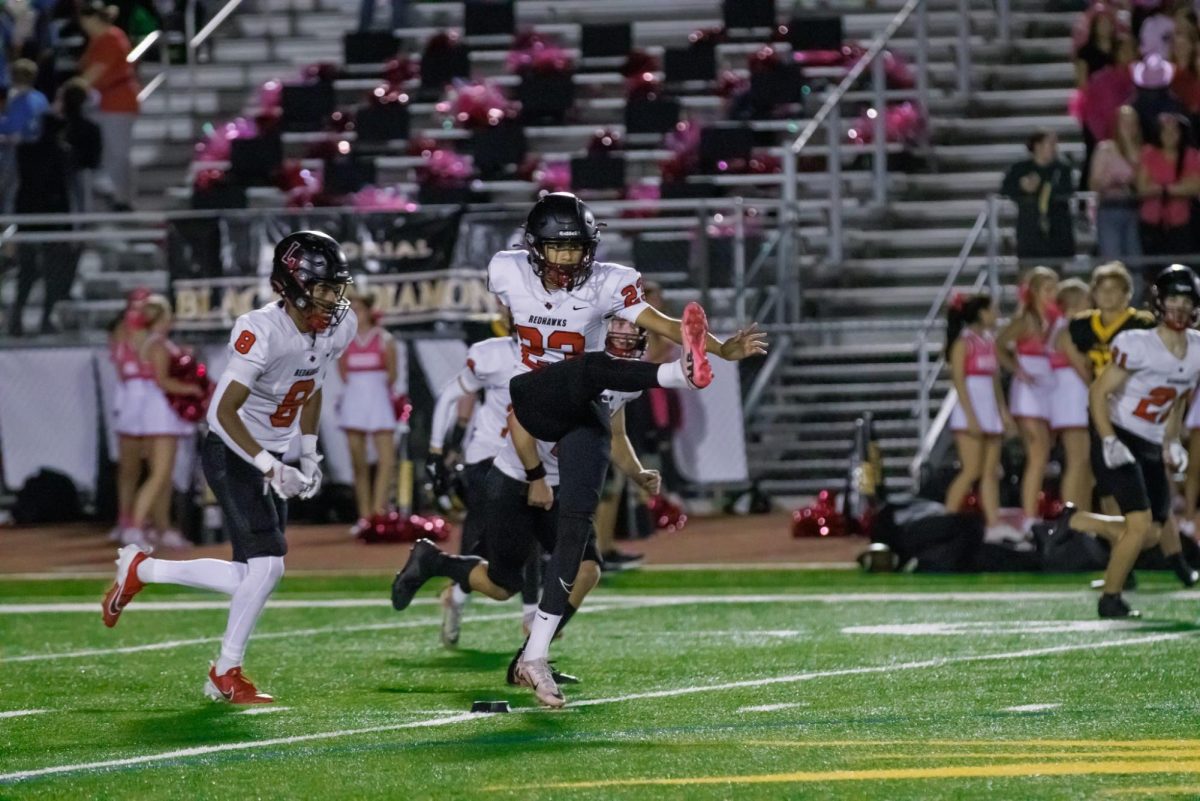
(489, 366)
(279, 355)
(1137, 407)
(561, 299)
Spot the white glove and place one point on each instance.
(310, 465)
(1115, 453)
(287, 482)
(1176, 456)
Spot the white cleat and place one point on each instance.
(452, 613)
(537, 675)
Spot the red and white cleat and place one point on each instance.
(127, 583)
(234, 687)
(696, 368)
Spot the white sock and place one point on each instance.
(204, 574)
(527, 610)
(540, 635)
(262, 574)
(458, 595)
(673, 376)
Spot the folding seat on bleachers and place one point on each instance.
(497, 148)
(745, 14)
(254, 161)
(656, 115)
(488, 17)
(369, 47)
(598, 173)
(306, 107)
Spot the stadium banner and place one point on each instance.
(212, 304)
(379, 243)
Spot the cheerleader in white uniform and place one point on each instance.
(161, 427)
(1069, 403)
(368, 368)
(979, 417)
(1033, 380)
(124, 341)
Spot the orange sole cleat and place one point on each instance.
(233, 686)
(127, 583)
(695, 336)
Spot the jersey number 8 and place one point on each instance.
(289, 407)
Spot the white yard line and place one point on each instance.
(9, 778)
(264, 710)
(1031, 708)
(1017, 596)
(20, 713)
(168, 645)
(773, 707)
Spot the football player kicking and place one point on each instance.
(1137, 407)
(560, 299)
(489, 366)
(278, 358)
(515, 530)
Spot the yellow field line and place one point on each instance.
(1026, 769)
(1148, 753)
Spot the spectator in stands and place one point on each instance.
(104, 67)
(366, 14)
(980, 416)
(1021, 349)
(1114, 179)
(1185, 85)
(84, 140)
(42, 189)
(1168, 180)
(1099, 50)
(1152, 76)
(21, 122)
(1106, 91)
(1042, 186)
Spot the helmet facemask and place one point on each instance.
(323, 303)
(1178, 316)
(563, 263)
(625, 340)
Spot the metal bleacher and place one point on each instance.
(852, 349)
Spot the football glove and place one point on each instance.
(1115, 453)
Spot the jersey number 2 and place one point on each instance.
(1156, 405)
(289, 407)
(532, 346)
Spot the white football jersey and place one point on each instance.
(1157, 379)
(282, 367)
(508, 463)
(490, 364)
(552, 326)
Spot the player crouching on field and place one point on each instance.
(1137, 409)
(278, 358)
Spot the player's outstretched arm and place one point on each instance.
(745, 343)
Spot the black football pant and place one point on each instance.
(560, 403)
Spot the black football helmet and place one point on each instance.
(304, 259)
(1176, 280)
(624, 339)
(562, 219)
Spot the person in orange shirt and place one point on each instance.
(105, 69)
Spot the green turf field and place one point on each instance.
(696, 685)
